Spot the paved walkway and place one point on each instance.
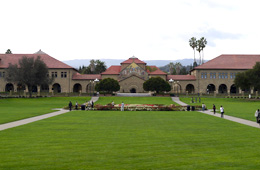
(30, 120)
(36, 118)
(231, 118)
(177, 100)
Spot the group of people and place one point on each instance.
(90, 104)
(214, 109)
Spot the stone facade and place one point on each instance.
(215, 76)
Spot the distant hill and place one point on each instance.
(159, 63)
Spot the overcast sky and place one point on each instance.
(119, 29)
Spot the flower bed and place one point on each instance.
(142, 107)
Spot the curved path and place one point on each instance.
(231, 118)
(36, 118)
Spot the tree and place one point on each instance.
(178, 67)
(249, 79)
(193, 44)
(95, 67)
(156, 84)
(30, 72)
(203, 45)
(8, 51)
(171, 68)
(199, 48)
(108, 85)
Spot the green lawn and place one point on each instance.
(242, 108)
(130, 140)
(20, 108)
(135, 100)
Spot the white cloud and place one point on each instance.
(119, 29)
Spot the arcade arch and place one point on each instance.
(190, 88)
(9, 87)
(56, 88)
(211, 88)
(77, 88)
(222, 88)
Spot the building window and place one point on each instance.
(203, 75)
(232, 75)
(222, 75)
(3, 74)
(53, 74)
(63, 74)
(212, 75)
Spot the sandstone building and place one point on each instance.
(214, 76)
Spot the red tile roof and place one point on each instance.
(112, 70)
(231, 62)
(133, 59)
(78, 76)
(180, 77)
(156, 72)
(48, 60)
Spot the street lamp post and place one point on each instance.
(90, 90)
(171, 81)
(95, 81)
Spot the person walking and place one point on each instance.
(222, 111)
(122, 106)
(92, 104)
(203, 107)
(257, 115)
(70, 105)
(76, 105)
(214, 109)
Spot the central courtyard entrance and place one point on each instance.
(133, 90)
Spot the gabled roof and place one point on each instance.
(51, 62)
(112, 70)
(180, 77)
(78, 76)
(234, 61)
(133, 59)
(155, 72)
(131, 77)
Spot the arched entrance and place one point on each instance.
(9, 87)
(176, 88)
(34, 89)
(77, 88)
(190, 88)
(132, 90)
(233, 89)
(56, 88)
(211, 88)
(222, 88)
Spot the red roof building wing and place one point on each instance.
(48, 60)
(131, 60)
(237, 62)
(78, 76)
(113, 70)
(180, 77)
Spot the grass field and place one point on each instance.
(242, 108)
(136, 100)
(130, 140)
(20, 108)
